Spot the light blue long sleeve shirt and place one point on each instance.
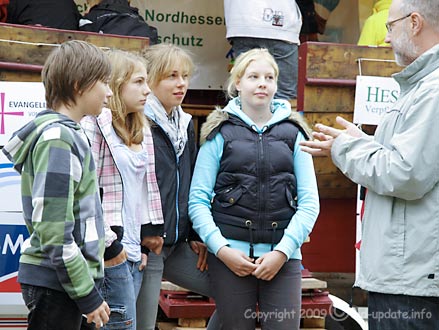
(202, 192)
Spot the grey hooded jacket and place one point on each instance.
(400, 167)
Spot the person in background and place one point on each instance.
(123, 151)
(254, 199)
(309, 29)
(399, 168)
(117, 17)
(59, 14)
(374, 29)
(61, 263)
(181, 259)
(323, 9)
(3, 10)
(274, 25)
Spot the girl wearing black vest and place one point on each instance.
(179, 256)
(254, 199)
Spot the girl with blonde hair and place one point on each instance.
(182, 259)
(254, 200)
(123, 151)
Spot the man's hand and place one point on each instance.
(269, 265)
(324, 137)
(153, 243)
(200, 249)
(143, 261)
(237, 261)
(117, 260)
(99, 316)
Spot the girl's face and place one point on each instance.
(258, 85)
(172, 89)
(135, 91)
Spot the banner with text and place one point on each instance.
(195, 25)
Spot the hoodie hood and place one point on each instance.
(281, 110)
(23, 140)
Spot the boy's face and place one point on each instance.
(92, 100)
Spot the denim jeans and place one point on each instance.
(178, 265)
(286, 56)
(278, 300)
(50, 309)
(120, 289)
(402, 312)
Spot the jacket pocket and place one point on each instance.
(229, 196)
(291, 196)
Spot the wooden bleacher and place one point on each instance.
(23, 49)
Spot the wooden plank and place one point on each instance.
(333, 182)
(313, 322)
(29, 47)
(166, 285)
(192, 322)
(340, 61)
(328, 99)
(24, 53)
(33, 34)
(199, 110)
(167, 325)
(324, 165)
(326, 118)
(313, 283)
(6, 75)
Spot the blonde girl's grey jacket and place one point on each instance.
(400, 167)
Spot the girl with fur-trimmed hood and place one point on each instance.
(254, 199)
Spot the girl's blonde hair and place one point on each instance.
(128, 126)
(162, 58)
(241, 64)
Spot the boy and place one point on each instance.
(63, 257)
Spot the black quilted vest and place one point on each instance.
(255, 190)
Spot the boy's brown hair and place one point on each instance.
(71, 68)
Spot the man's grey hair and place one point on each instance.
(429, 9)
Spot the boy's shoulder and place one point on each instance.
(63, 136)
(67, 132)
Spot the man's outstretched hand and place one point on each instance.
(324, 137)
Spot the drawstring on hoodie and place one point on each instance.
(248, 223)
(273, 234)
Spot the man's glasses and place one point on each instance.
(389, 24)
